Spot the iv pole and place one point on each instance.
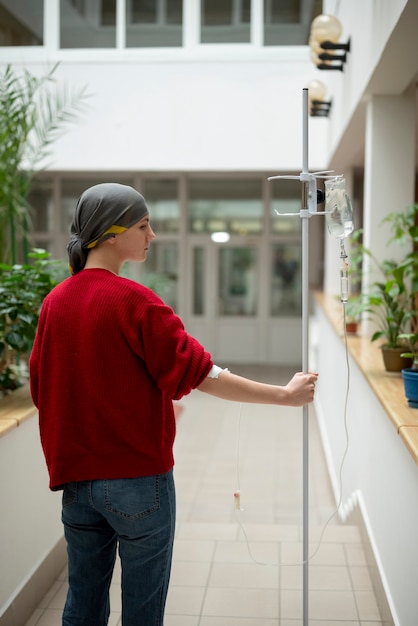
(309, 207)
(305, 215)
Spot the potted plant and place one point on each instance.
(357, 304)
(354, 309)
(22, 290)
(410, 374)
(404, 229)
(388, 304)
(33, 111)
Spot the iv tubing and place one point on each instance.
(343, 274)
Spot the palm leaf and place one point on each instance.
(34, 111)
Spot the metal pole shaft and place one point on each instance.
(305, 359)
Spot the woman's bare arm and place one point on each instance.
(298, 391)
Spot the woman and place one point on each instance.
(108, 360)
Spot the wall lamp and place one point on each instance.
(325, 33)
(318, 106)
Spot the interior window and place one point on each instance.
(288, 22)
(225, 21)
(237, 281)
(198, 286)
(232, 206)
(286, 279)
(151, 24)
(88, 24)
(22, 24)
(161, 196)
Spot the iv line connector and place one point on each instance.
(343, 253)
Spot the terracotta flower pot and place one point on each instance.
(351, 327)
(393, 360)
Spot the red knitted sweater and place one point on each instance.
(108, 359)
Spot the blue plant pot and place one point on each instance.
(410, 380)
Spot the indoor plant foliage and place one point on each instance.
(354, 309)
(404, 232)
(22, 290)
(33, 112)
(390, 303)
(404, 229)
(411, 352)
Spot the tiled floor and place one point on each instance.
(243, 568)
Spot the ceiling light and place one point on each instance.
(220, 237)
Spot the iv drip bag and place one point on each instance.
(338, 208)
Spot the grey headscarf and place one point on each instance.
(102, 211)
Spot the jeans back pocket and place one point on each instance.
(132, 498)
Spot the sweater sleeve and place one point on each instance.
(34, 367)
(176, 360)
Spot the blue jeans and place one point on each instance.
(136, 514)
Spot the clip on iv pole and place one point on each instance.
(309, 208)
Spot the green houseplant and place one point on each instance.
(404, 229)
(354, 310)
(22, 290)
(33, 111)
(389, 302)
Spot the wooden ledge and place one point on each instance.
(15, 408)
(387, 386)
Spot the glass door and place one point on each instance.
(225, 299)
(237, 281)
(244, 291)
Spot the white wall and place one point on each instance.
(373, 121)
(200, 107)
(368, 25)
(227, 107)
(30, 513)
(186, 116)
(378, 474)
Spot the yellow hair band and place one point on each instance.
(112, 230)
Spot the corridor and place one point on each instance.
(243, 567)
